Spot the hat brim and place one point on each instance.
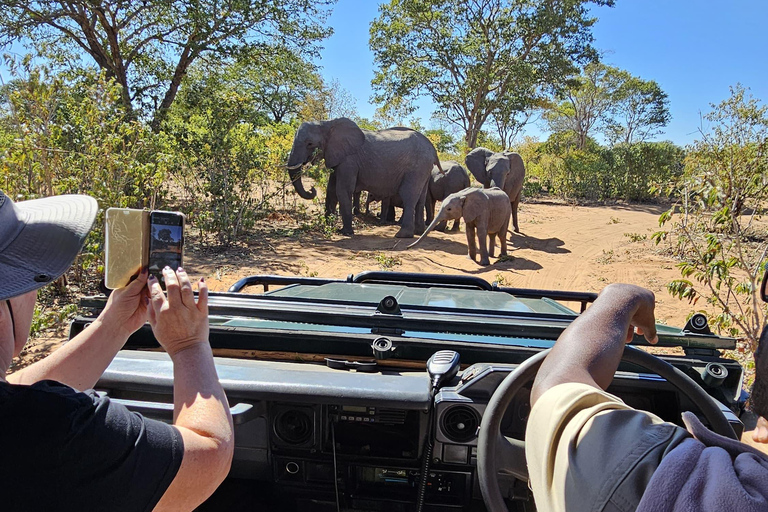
(54, 231)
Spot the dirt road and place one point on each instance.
(563, 247)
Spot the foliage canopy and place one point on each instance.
(476, 57)
(148, 47)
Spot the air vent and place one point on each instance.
(391, 416)
(294, 426)
(459, 423)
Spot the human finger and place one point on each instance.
(202, 296)
(135, 286)
(172, 288)
(156, 296)
(185, 286)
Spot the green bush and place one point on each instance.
(70, 136)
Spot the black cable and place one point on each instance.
(429, 445)
(335, 474)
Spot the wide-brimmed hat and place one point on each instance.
(39, 239)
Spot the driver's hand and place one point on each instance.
(643, 302)
(178, 321)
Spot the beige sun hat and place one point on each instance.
(40, 238)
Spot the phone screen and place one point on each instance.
(166, 241)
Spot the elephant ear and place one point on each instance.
(477, 162)
(344, 137)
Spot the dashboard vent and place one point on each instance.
(294, 426)
(459, 423)
(391, 416)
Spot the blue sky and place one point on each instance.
(694, 49)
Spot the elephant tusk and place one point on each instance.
(293, 167)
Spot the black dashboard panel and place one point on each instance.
(307, 435)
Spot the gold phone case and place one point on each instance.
(126, 245)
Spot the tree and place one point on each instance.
(640, 109)
(148, 47)
(585, 105)
(473, 56)
(329, 101)
(280, 86)
(717, 232)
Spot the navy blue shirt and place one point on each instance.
(62, 450)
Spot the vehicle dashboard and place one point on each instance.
(297, 424)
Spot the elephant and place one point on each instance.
(486, 210)
(450, 177)
(388, 205)
(442, 183)
(384, 162)
(504, 170)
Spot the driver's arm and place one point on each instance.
(590, 349)
(585, 448)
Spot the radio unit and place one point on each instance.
(365, 414)
(371, 431)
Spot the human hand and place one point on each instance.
(177, 321)
(760, 434)
(642, 302)
(126, 309)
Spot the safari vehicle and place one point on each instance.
(347, 394)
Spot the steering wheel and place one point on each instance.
(496, 453)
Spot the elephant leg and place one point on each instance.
(491, 244)
(356, 204)
(515, 204)
(391, 214)
(420, 207)
(455, 226)
(441, 226)
(472, 250)
(430, 208)
(331, 199)
(482, 240)
(345, 206)
(503, 239)
(385, 206)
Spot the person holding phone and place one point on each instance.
(65, 448)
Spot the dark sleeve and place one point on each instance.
(124, 461)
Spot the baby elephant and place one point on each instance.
(485, 210)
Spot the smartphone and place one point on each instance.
(126, 245)
(166, 242)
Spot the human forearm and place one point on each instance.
(590, 349)
(199, 400)
(80, 362)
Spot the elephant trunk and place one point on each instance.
(438, 218)
(295, 174)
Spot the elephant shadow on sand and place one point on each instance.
(371, 242)
(549, 245)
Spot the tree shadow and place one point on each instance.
(549, 245)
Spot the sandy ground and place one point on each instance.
(560, 247)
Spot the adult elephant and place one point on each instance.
(395, 161)
(443, 182)
(504, 170)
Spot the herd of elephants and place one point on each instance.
(400, 167)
